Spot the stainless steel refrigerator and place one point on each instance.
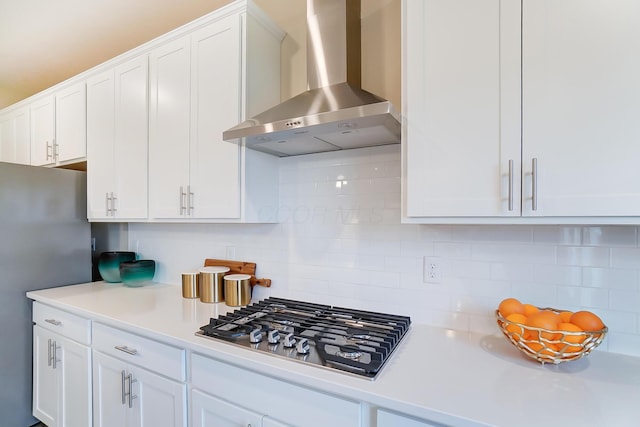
(45, 242)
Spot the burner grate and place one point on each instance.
(353, 341)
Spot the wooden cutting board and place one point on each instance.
(239, 267)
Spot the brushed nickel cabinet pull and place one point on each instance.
(124, 392)
(510, 185)
(114, 198)
(534, 184)
(53, 322)
(189, 200)
(183, 196)
(131, 395)
(126, 349)
(49, 352)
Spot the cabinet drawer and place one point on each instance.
(141, 351)
(62, 322)
(287, 403)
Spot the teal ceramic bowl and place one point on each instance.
(138, 272)
(109, 264)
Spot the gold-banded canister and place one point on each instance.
(211, 284)
(190, 285)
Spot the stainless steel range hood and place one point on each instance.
(335, 113)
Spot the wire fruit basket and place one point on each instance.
(550, 346)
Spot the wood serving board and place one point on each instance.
(239, 267)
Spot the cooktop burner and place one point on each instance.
(353, 341)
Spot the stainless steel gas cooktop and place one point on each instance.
(352, 341)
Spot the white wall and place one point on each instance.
(341, 242)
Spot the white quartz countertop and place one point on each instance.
(450, 377)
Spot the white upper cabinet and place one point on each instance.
(71, 124)
(43, 131)
(117, 112)
(15, 136)
(201, 84)
(581, 104)
(476, 150)
(216, 83)
(169, 125)
(58, 127)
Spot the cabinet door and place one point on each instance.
(109, 400)
(71, 118)
(100, 145)
(216, 95)
(581, 103)
(45, 382)
(160, 402)
(169, 121)
(6, 138)
(462, 108)
(74, 388)
(22, 135)
(43, 131)
(15, 137)
(131, 139)
(208, 411)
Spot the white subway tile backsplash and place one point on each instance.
(625, 300)
(466, 269)
(557, 275)
(609, 236)
(539, 254)
(560, 235)
(625, 279)
(625, 258)
(340, 242)
(585, 256)
(584, 297)
(493, 233)
(507, 271)
(452, 250)
(624, 343)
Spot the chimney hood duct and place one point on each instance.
(335, 113)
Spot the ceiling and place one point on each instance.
(44, 42)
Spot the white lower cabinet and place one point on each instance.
(61, 369)
(259, 400)
(209, 411)
(91, 374)
(127, 395)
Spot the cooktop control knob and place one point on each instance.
(289, 341)
(255, 336)
(302, 347)
(273, 336)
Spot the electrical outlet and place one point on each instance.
(432, 272)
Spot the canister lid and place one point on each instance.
(237, 277)
(214, 269)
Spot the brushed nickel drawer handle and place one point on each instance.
(126, 349)
(53, 322)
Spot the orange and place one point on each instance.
(544, 319)
(565, 316)
(569, 338)
(546, 349)
(510, 305)
(530, 309)
(587, 321)
(513, 329)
